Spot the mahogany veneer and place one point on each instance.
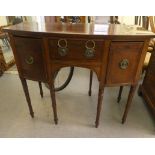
(114, 52)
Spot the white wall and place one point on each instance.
(128, 20)
(3, 21)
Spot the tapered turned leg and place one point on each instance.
(120, 93)
(90, 82)
(100, 99)
(41, 90)
(52, 92)
(26, 91)
(130, 97)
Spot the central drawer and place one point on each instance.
(69, 49)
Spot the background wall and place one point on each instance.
(3, 20)
(128, 20)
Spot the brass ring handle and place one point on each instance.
(123, 64)
(29, 60)
(93, 44)
(62, 40)
(62, 50)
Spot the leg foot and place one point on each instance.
(56, 121)
(120, 94)
(123, 120)
(90, 83)
(26, 91)
(130, 97)
(100, 99)
(52, 92)
(32, 115)
(96, 124)
(41, 90)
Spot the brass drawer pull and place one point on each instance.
(61, 41)
(124, 64)
(89, 52)
(29, 60)
(90, 41)
(62, 49)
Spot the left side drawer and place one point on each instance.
(29, 52)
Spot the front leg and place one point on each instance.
(26, 91)
(130, 97)
(120, 94)
(52, 92)
(90, 82)
(99, 106)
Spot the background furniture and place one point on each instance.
(5, 64)
(6, 57)
(147, 88)
(114, 52)
(2, 62)
(145, 23)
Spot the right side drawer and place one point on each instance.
(124, 58)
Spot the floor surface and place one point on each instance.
(76, 111)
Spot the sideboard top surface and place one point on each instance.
(100, 30)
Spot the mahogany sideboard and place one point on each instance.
(114, 52)
(147, 88)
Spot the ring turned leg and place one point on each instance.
(26, 91)
(41, 90)
(90, 82)
(120, 94)
(100, 99)
(130, 97)
(52, 92)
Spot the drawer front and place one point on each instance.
(29, 52)
(74, 49)
(124, 58)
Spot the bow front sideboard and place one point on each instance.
(114, 52)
